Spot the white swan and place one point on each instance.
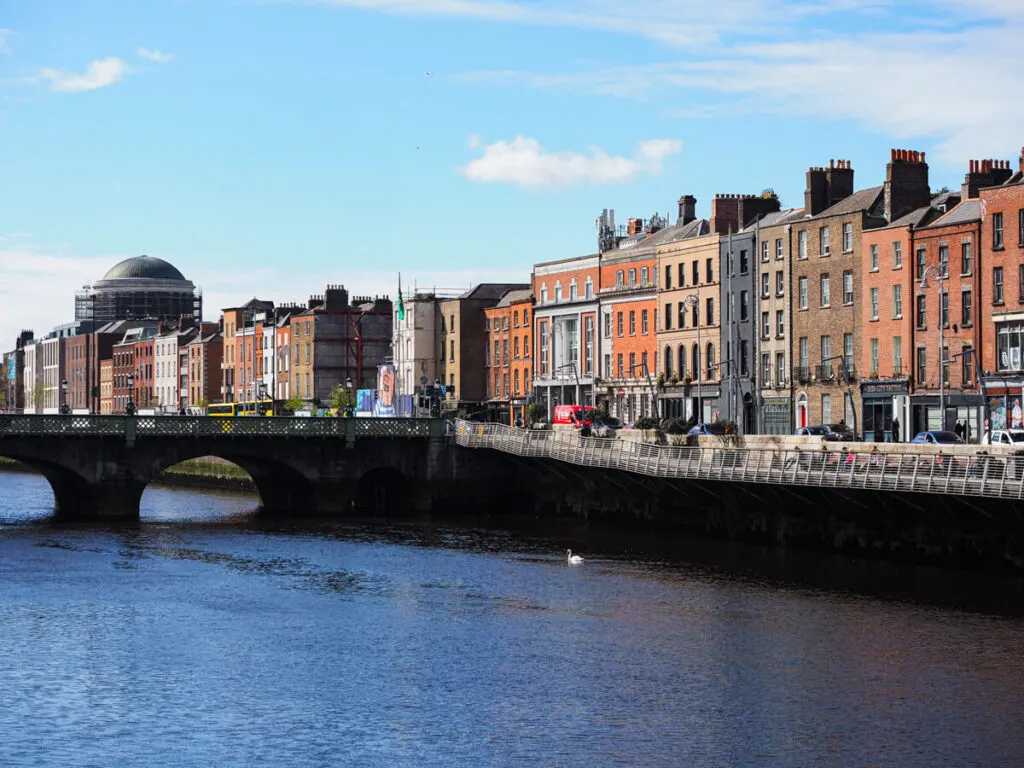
(573, 559)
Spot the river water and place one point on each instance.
(204, 636)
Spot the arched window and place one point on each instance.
(682, 361)
(668, 362)
(558, 290)
(515, 377)
(711, 361)
(589, 288)
(544, 293)
(695, 355)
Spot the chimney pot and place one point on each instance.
(831, 163)
(892, 155)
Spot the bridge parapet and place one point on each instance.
(976, 474)
(215, 426)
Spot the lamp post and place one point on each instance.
(64, 393)
(129, 407)
(935, 272)
(693, 301)
(350, 407)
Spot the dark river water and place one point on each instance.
(207, 637)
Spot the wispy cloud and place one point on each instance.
(4, 35)
(98, 74)
(155, 55)
(524, 163)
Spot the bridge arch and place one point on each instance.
(383, 491)
(74, 497)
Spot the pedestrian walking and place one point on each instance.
(895, 430)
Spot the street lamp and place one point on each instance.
(935, 272)
(129, 408)
(64, 391)
(693, 301)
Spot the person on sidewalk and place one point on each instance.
(895, 430)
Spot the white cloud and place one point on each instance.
(155, 55)
(4, 34)
(524, 163)
(99, 74)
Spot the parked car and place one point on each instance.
(701, 429)
(1004, 437)
(830, 432)
(819, 430)
(578, 416)
(938, 437)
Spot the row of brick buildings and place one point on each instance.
(776, 319)
(169, 365)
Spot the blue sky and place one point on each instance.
(268, 147)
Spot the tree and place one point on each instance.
(343, 400)
(3, 398)
(294, 404)
(38, 397)
(536, 412)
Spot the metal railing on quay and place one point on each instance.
(975, 474)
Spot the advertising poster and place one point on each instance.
(997, 412)
(385, 405)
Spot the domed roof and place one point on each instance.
(145, 267)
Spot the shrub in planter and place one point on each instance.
(645, 422)
(674, 427)
(536, 412)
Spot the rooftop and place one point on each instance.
(143, 268)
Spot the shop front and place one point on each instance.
(681, 402)
(880, 402)
(965, 415)
(1003, 403)
(776, 416)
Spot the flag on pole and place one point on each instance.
(401, 304)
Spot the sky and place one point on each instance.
(270, 147)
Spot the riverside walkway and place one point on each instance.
(921, 469)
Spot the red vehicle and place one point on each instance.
(576, 415)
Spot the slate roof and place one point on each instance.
(492, 291)
(919, 217)
(968, 210)
(774, 219)
(863, 200)
(513, 296)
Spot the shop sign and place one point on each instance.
(884, 388)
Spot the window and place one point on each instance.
(848, 287)
(744, 358)
(965, 258)
(504, 352)
(766, 325)
(710, 311)
(619, 372)
(945, 366)
(573, 291)
(710, 351)
(588, 288)
(965, 308)
(944, 309)
(922, 317)
(848, 351)
(608, 324)
(543, 300)
(515, 349)
(695, 360)
(873, 346)
(682, 274)
(997, 285)
(897, 255)
(826, 409)
(572, 338)
(780, 283)
(632, 278)
(668, 317)
(824, 249)
(780, 324)
(826, 349)
(682, 315)
(897, 301)
(515, 380)
(487, 356)
(766, 368)
(644, 276)
(765, 287)
(558, 291)
(588, 352)
(997, 230)
(1020, 226)
(922, 366)
(744, 262)
(451, 354)
(668, 362)
(1008, 345)
(632, 322)
(618, 325)
(826, 299)
(873, 263)
(696, 272)
(744, 306)
(802, 347)
(802, 293)
(801, 240)
(696, 314)
(967, 363)
(1020, 280)
(682, 360)
(543, 349)
(643, 362)
(897, 356)
(619, 278)
(764, 250)
(847, 238)
(643, 322)
(922, 260)
(944, 260)
(709, 270)
(668, 277)
(780, 368)
(778, 248)
(874, 303)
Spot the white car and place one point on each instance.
(1005, 437)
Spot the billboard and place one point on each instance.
(11, 368)
(385, 405)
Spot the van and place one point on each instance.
(574, 415)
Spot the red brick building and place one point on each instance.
(507, 361)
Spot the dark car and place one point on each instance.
(830, 432)
(938, 437)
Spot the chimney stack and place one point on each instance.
(688, 208)
(984, 173)
(906, 183)
(827, 186)
(731, 213)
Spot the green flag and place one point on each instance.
(401, 304)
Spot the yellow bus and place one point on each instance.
(266, 408)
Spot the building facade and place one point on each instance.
(416, 345)
(507, 366)
(565, 318)
(106, 379)
(205, 368)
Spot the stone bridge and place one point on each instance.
(98, 466)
